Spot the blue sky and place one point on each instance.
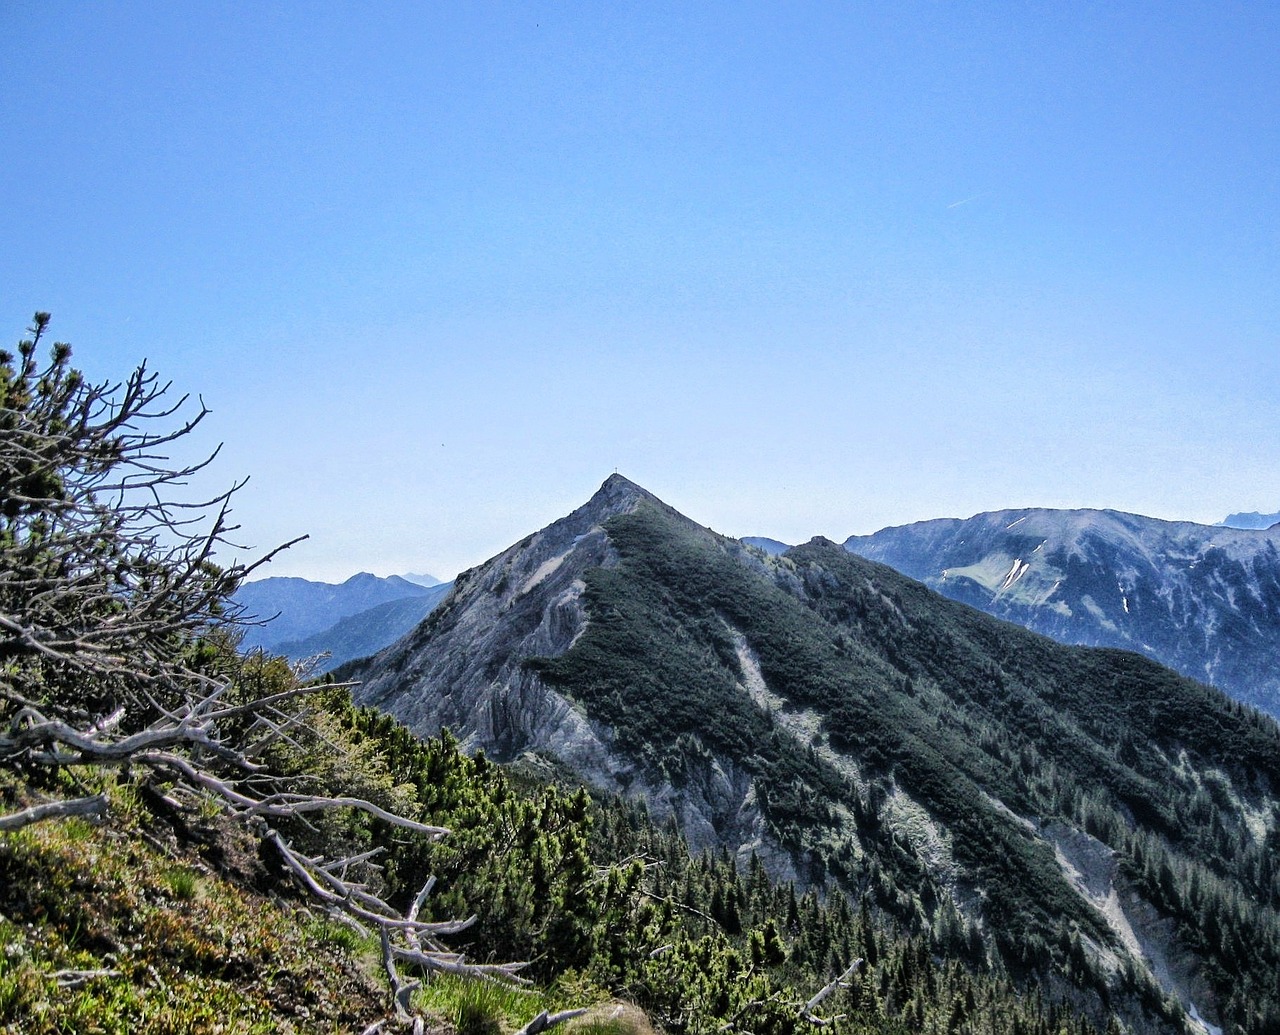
(439, 269)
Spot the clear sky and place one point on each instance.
(440, 268)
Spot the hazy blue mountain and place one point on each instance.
(769, 546)
(1101, 825)
(1252, 519)
(423, 580)
(1202, 599)
(298, 608)
(366, 632)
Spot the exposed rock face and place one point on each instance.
(464, 669)
(1204, 600)
(848, 725)
(523, 603)
(1139, 928)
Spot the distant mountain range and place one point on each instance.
(1105, 829)
(1252, 519)
(302, 618)
(1202, 599)
(770, 546)
(365, 632)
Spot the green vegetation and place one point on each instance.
(991, 729)
(162, 908)
(215, 780)
(480, 1007)
(602, 904)
(258, 843)
(108, 929)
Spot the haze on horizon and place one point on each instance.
(814, 269)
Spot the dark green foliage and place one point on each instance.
(990, 732)
(979, 721)
(589, 891)
(591, 886)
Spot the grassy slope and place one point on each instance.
(177, 946)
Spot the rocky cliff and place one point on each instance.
(466, 669)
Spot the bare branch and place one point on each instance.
(545, 1020)
(94, 807)
(400, 989)
(806, 1011)
(73, 979)
(115, 610)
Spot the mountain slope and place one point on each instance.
(523, 603)
(293, 609)
(1203, 600)
(167, 920)
(1100, 824)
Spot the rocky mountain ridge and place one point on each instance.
(474, 680)
(847, 725)
(1202, 599)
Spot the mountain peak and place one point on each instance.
(616, 495)
(648, 656)
(1110, 579)
(617, 485)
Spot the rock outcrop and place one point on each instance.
(523, 603)
(850, 727)
(464, 669)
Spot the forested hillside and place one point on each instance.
(158, 922)
(908, 817)
(1099, 825)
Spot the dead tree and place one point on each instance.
(841, 982)
(110, 606)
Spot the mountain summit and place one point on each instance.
(464, 667)
(1090, 821)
